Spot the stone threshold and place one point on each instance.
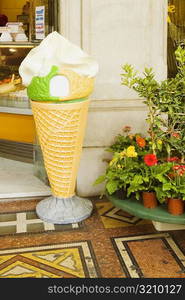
(17, 181)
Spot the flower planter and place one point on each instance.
(175, 206)
(149, 199)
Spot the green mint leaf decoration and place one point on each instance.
(38, 89)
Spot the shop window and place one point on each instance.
(176, 32)
(24, 11)
(23, 24)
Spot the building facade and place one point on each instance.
(114, 32)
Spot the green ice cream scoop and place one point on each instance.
(79, 86)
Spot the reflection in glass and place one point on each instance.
(176, 32)
(12, 92)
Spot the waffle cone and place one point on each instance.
(60, 128)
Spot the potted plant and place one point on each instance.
(134, 169)
(172, 100)
(165, 101)
(174, 188)
(124, 164)
(152, 173)
(146, 165)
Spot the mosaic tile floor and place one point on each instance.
(28, 222)
(111, 243)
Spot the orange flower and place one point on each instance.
(131, 136)
(140, 141)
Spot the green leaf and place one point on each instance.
(100, 179)
(133, 189)
(161, 196)
(146, 179)
(124, 177)
(137, 195)
(112, 186)
(161, 178)
(167, 186)
(138, 179)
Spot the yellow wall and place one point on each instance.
(19, 128)
(11, 8)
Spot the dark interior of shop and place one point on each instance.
(176, 32)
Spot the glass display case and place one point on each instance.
(12, 92)
(28, 23)
(23, 25)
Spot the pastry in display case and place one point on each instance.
(11, 87)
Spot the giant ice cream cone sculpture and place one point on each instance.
(59, 87)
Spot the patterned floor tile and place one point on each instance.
(60, 260)
(28, 222)
(113, 217)
(150, 256)
(109, 244)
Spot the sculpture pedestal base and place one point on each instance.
(64, 210)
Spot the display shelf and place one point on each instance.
(15, 110)
(18, 44)
(137, 209)
(15, 105)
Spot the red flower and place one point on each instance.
(150, 159)
(173, 159)
(126, 128)
(181, 173)
(180, 169)
(175, 135)
(176, 167)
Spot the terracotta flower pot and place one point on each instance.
(149, 199)
(175, 206)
